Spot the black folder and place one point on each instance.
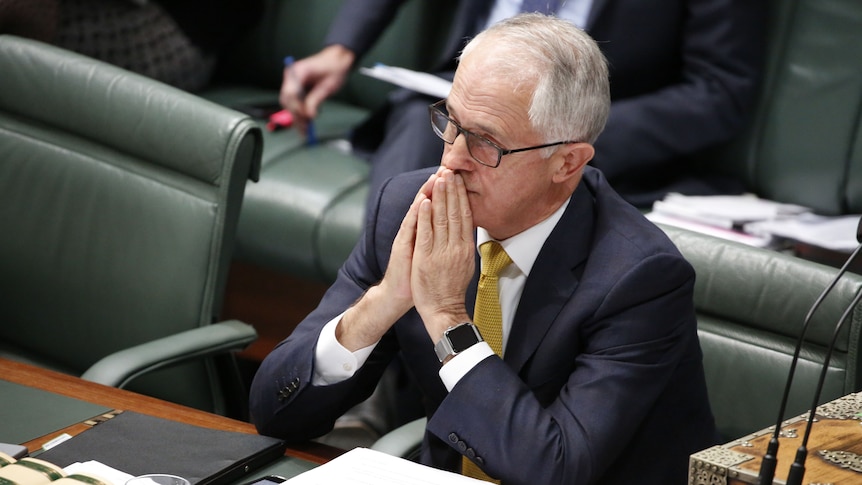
(138, 444)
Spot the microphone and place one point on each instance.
(770, 458)
(797, 469)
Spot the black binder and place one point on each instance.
(138, 444)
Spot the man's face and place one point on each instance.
(519, 192)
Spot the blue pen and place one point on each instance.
(310, 135)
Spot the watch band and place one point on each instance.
(456, 340)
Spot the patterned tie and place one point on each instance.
(488, 317)
(542, 6)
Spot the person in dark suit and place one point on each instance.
(684, 75)
(597, 376)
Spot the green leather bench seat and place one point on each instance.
(119, 200)
(751, 304)
(302, 209)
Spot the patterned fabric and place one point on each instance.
(140, 38)
(488, 318)
(487, 314)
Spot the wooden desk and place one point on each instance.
(837, 430)
(120, 399)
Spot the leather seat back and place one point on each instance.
(119, 198)
(751, 304)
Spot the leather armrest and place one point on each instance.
(121, 367)
(403, 441)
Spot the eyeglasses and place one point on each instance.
(481, 149)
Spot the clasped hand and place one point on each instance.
(433, 255)
(431, 264)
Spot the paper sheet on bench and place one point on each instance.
(835, 233)
(363, 466)
(421, 82)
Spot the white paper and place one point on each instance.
(116, 477)
(363, 466)
(421, 82)
(725, 210)
(835, 233)
(760, 241)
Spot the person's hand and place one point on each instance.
(309, 81)
(444, 255)
(397, 280)
(365, 323)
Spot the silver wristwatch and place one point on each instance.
(456, 340)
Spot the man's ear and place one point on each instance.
(575, 157)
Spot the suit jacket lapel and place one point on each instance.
(473, 287)
(553, 279)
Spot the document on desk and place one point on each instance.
(835, 233)
(725, 211)
(363, 466)
(421, 82)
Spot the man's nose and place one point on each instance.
(456, 156)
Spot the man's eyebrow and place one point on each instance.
(477, 129)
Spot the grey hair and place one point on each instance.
(563, 66)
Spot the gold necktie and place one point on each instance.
(488, 318)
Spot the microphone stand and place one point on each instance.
(797, 469)
(770, 458)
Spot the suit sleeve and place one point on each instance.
(722, 55)
(283, 401)
(630, 350)
(359, 24)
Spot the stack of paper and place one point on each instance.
(835, 233)
(727, 211)
(754, 221)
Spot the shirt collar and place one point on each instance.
(523, 248)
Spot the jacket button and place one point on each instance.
(462, 446)
(453, 437)
(471, 454)
(479, 460)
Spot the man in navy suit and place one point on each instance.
(683, 76)
(599, 379)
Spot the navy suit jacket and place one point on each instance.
(602, 380)
(683, 77)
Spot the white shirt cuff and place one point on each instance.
(461, 364)
(333, 363)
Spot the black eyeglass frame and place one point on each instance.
(434, 108)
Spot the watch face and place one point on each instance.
(462, 337)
